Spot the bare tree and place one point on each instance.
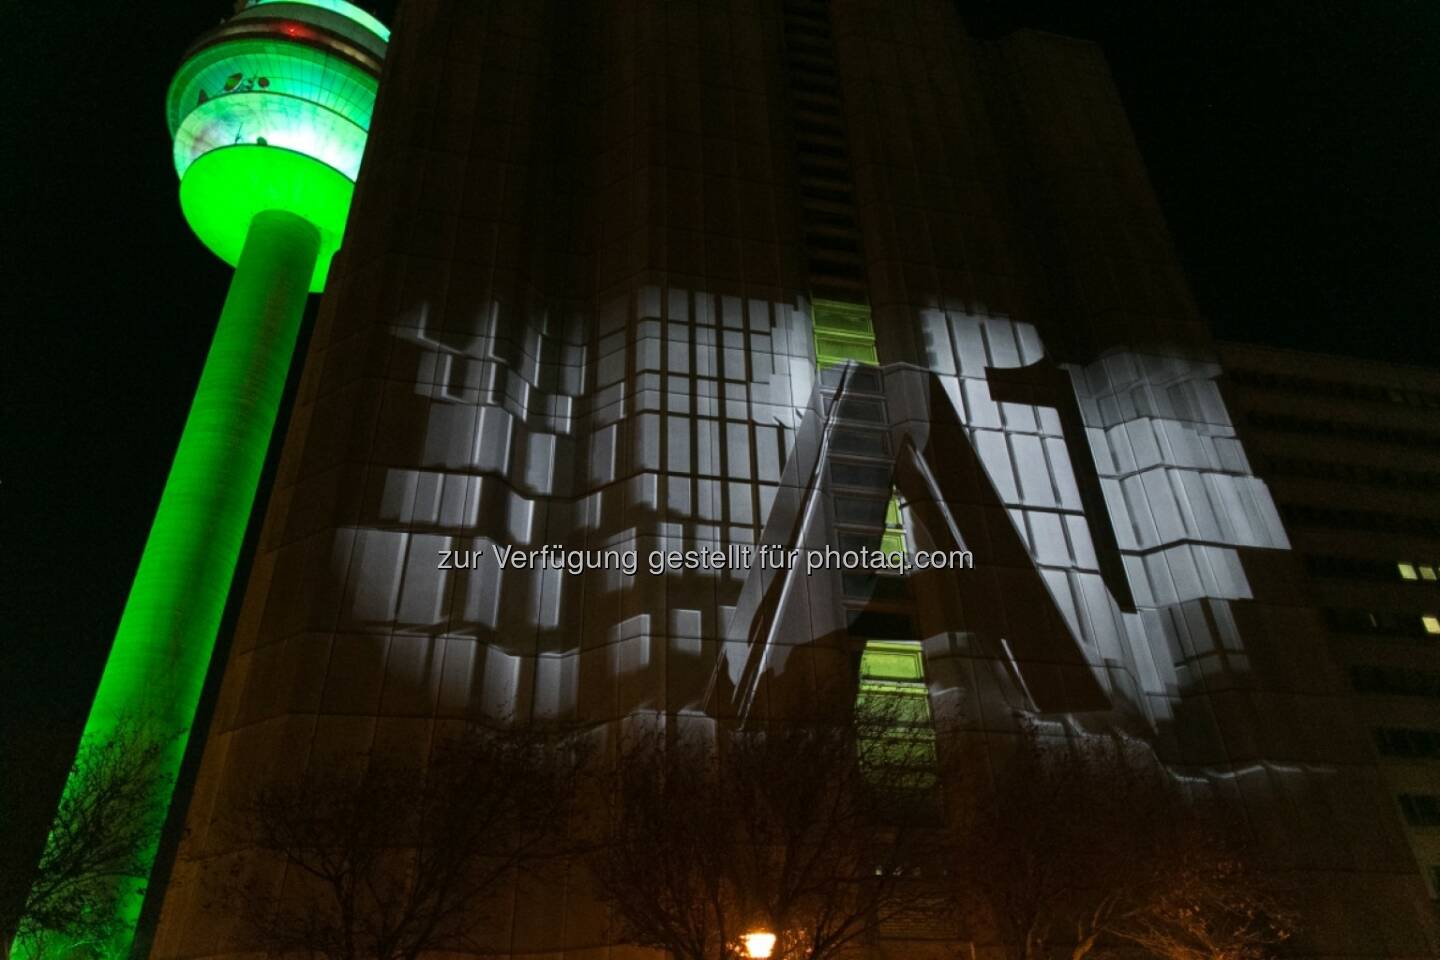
(108, 820)
(1048, 854)
(1083, 844)
(386, 862)
(803, 830)
(1213, 906)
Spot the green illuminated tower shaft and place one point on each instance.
(179, 594)
(269, 113)
(167, 633)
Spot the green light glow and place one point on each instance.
(162, 649)
(225, 189)
(842, 332)
(264, 123)
(261, 65)
(347, 10)
(276, 120)
(890, 661)
(269, 119)
(891, 669)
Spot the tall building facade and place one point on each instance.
(603, 263)
(1351, 449)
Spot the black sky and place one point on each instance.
(1295, 147)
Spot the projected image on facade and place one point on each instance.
(640, 430)
(721, 283)
(683, 443)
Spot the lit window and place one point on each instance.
(1427, 573)
(1407, 571)
(1431, 622)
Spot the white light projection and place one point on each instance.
(668, 421)
(1180, 494)
(663, 423)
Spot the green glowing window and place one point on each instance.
(908, 705)
(1407, 571)
(891, 661)
(843, 332)
(293, 70)
(831, 350)
(892, 680)
(895, 671)
(1431, 623)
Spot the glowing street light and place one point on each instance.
(759, 944)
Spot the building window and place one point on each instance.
(892, 679)
(1351, 472)
(1356, 568)
(1370, 432)
(1303, 515)
(1298, 383)
(1373, 678)
(1388, 623)
(1421, 809)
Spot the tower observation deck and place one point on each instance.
(269, 114)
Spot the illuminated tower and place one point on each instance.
(269, 113)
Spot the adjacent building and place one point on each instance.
(603, 267)
(1351, 452)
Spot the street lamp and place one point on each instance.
(759, 944)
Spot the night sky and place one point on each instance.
(1295, 147)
